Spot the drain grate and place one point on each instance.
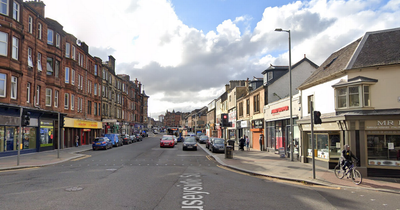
(74, 189)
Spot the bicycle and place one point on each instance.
(351, 172)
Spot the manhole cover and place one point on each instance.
(73, 189)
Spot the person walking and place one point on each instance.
(247, 143)
(261, 142)
(77, 141)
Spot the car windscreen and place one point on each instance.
(189, 140)
(203, 137)
(100, 139)
(167, 138)
(218, 141)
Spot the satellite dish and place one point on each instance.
(78, 42)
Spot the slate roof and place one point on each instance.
(373, 49)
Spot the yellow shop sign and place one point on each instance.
(73, 123)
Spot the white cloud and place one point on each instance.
(182, 68)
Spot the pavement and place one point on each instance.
(253, 162)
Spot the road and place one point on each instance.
(143, 176)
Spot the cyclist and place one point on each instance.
(346, 157)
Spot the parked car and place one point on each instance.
(198, 136)
(189, 143)
(139, 137)
(133, 138)
(102, 143)
(115, 139)
(203, 139)
(167, 141)
(218, 145)
(175, 139)
(191, 134)
(126, 139)
(155, 131)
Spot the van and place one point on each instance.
(115, 139)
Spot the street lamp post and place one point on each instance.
(290, 94)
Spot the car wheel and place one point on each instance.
(105, 147)
(212, 150)
(94, 149)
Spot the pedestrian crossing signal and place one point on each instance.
(317, 117)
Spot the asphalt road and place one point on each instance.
(144, 176)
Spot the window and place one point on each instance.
(247, 106)
(14, 85)
(95, 89)
(66, 75)
(73, 101)
(56, 68)
(90, 87)
(89, 107)
(66, 101)
(80, 60)
(310, 100)
(73, 52)
(257, 103)
(353, 96)
(30, 24)
(28, 92)
(39, 31)
(3, 43)
(241, 109)
(270, 75)
(50, 37)
(30, 60)
(37, 95)
(56, 92)
(4, 7)
(49, 66)
(383, 150)
(39, 62)
(16, 11)
(15, 45)
(49, 92)
(327, 145)
(95, 70)
(95, 109)
(72, 77)
(67, 50)
(79, 82)
(58, 40)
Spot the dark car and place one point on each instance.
(189, 143)
(102, 143)
(203, 139)
(139, 137)
(198, 136)
(126, 139)
(217, 145)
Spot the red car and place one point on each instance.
(167, 141)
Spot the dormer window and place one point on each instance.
(353, 94)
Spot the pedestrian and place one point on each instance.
(247, 143)
(241, 143)
(77, 141)
(261, 142)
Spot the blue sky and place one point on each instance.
(185, 51)
(206, 15)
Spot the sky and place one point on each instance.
(185, 51)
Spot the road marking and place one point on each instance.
(192, 191)
(80, 158)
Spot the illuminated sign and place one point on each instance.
(281, 109)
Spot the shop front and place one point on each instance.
(83, 131)
(382, 147)
(243, 128)
(232, 129)
(257, 128)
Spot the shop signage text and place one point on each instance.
(383, 124)
(280, 109)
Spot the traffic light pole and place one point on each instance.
(21, 110)
(312, 138)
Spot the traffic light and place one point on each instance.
(317, 117)
(224, 120)
(26, 119)
(62, 121)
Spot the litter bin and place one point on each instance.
(231, 143)
(229, 152)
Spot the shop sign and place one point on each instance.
(86, 129)
(73, 123)
(280, 109)
(244, 124)
(46, 123)
(257, 124)
(382, 124)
